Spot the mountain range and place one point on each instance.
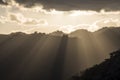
(54, 56)
(107, 70)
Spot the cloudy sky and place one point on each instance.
(51, 15)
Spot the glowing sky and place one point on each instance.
(15, 16)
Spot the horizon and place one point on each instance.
(58, 31)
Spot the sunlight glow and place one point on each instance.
(82, 13)
(16, 14)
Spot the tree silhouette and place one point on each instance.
(107, 70)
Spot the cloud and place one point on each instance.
(66, 5)
(91, 27)
(35, 13)
(20, 19)
(3, 2)
(3, 19)
(15, 17)
(71, 28)
(107, 22)
(19, 6)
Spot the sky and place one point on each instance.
(51, 15)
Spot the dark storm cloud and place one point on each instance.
(73, 4)
(1, 2)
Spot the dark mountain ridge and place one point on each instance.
(40, 56)
(107, 70)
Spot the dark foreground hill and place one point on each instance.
(107, 70)
(54, 56)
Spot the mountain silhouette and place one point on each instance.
(57, 33)
(97, 44)
(107, 70)
(54, 56)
